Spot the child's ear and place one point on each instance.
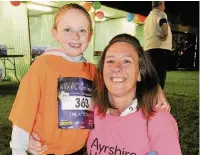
(54, 33)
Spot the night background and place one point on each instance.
(185, 53)
(184, 12)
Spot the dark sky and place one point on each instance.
(186, 12)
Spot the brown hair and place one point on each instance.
(146, 89)
(66, 7)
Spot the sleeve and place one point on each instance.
(19, 141)
(92, 70)
(24, 110)
(163, 134)
(162, 18)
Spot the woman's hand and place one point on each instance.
(35, 147)
(162, 103)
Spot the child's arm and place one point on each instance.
(162, 103)
(25, 107)
(19, 141)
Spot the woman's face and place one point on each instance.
(121, 69)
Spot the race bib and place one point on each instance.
(74, 103)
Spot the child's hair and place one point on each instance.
(66, 7)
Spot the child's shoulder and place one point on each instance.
(92, 65)
(90, 69)
(42, 62)
(43, 59)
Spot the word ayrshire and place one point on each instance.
(98, 148)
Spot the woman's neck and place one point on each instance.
(121, 103)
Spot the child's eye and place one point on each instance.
(67, 30)
(82, 30)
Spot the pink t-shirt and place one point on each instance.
(133, 135)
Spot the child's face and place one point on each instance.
(73, 32)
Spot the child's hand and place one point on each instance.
(162, 103)
(35, 146)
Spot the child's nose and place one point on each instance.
(75, 35)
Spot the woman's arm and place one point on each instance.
(21, 142)
(35, 147)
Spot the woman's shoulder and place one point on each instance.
(163, 134)
(161, 116)
(162, 120)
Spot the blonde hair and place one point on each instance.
(66, 7)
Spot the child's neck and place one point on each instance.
(75, 58)
(60, 52)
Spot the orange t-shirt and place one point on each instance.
(36, 107)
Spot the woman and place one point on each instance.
(126, 121)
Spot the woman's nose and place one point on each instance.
(117, 67)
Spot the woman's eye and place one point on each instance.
(67, 30)
(109, 61)
(126, 61)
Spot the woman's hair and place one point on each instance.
(146, 89)
(67, 7)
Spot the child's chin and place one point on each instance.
(74, 53)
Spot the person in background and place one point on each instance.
(126, 121)
(158, 39)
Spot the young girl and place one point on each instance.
(36, 107)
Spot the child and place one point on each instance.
(36, 107)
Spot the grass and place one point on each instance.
(8, 87)
(182, 91)
(5, 125)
